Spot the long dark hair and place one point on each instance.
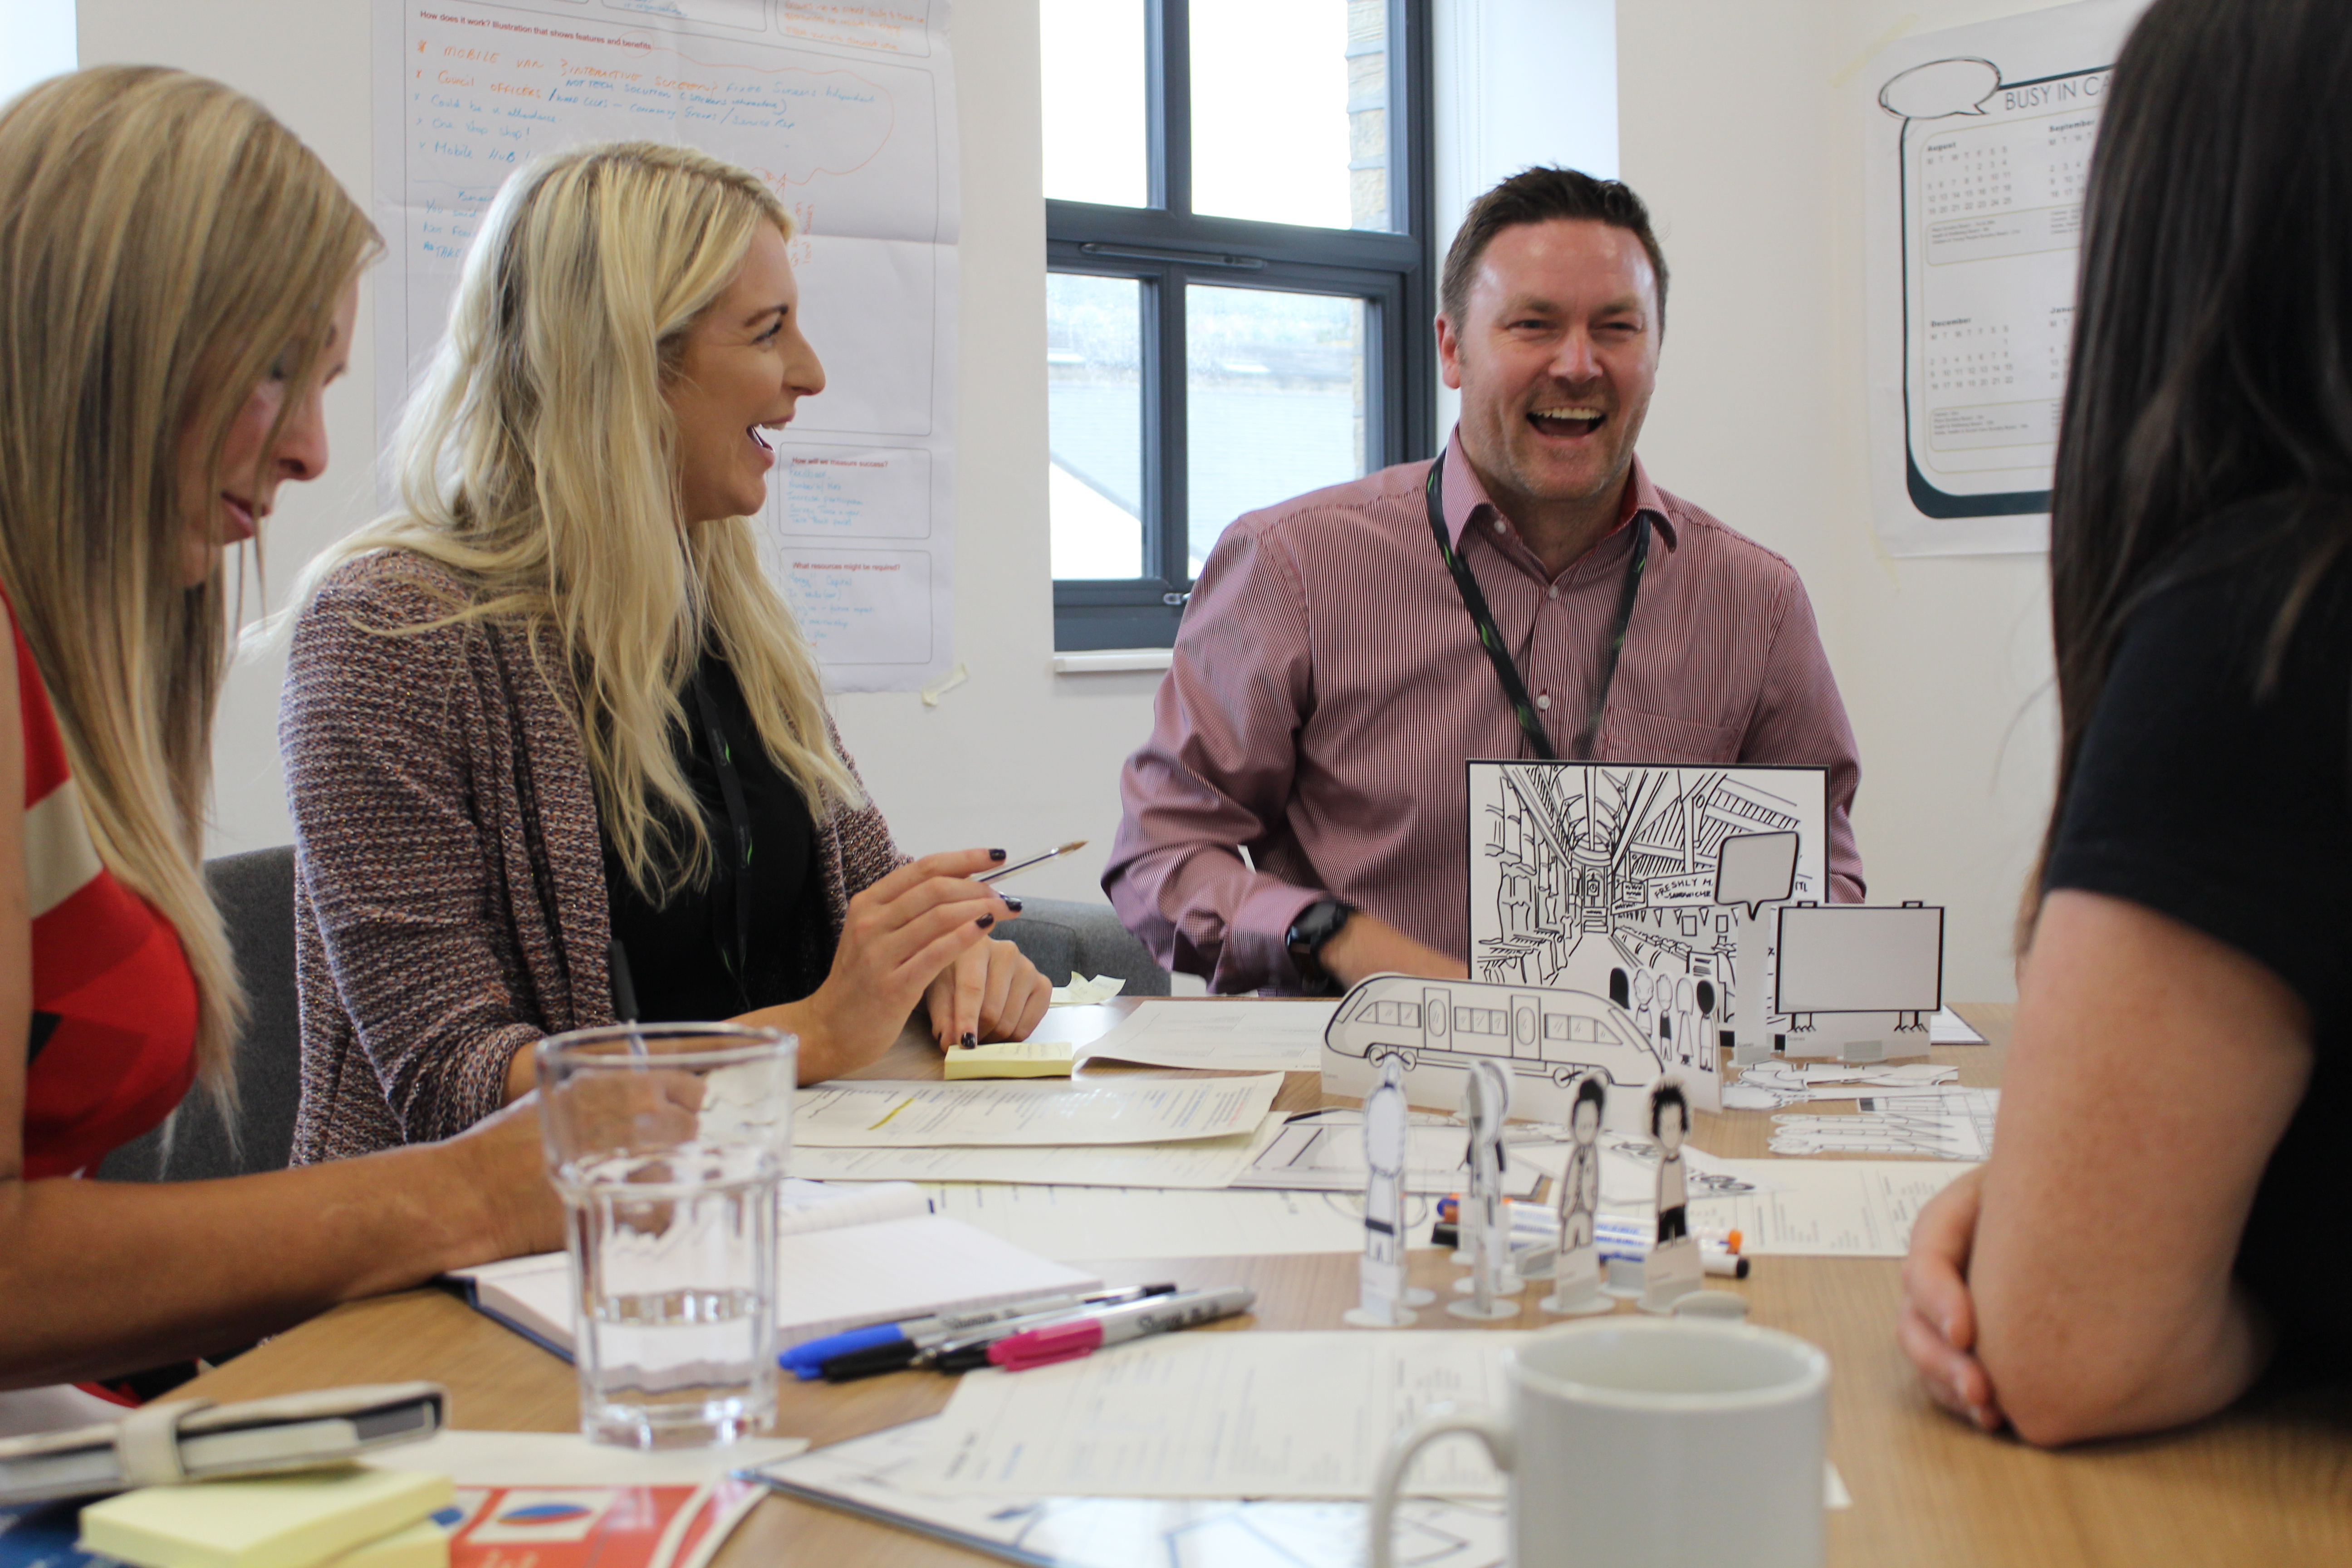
(2213, 354)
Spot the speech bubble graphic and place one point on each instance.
(1755, 868)
(1941, 88)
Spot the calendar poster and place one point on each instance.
(1976, 143)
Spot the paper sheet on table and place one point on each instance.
(1107, 1223)
(1820, 1208)
(1628, 1171)
(1941, 1123)
(1946, 1027)
(1219, 1415)
(1087, 991)
(568, 1458)
(870, 1113)
(1203, 1162)
(868, 1475)
(1323, 1151)
(1232, 1037)
(1769, 1085)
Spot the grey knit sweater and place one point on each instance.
(449, 898)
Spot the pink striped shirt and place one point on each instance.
(1327, 687)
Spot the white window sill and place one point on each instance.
(1112, 660)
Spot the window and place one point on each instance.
(1240, 286)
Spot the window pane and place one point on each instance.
(1092, 54)
(1276, 386)
(1094, 397)
(1290, 111)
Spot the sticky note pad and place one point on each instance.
(1013, 1058)
(424, 1545)
(264, 1522)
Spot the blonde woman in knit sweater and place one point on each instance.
(555, 747)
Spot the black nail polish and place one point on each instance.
(996, 854)
(985, 921)
(1011, 903)
(969, 1040)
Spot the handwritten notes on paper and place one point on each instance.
(867, 1113)
(1200, 1162)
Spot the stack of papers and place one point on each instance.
(1767, 1085)
(1940, 1123)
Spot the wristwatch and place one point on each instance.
(1316, 924)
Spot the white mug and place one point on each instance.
(1648, 1443)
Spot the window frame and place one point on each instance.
(1166, 246)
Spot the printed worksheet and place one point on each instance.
(1940, 1123)
(846, 108)
(866, 1113)
(1067, 1224)
(1203, 1162)
(867, 1476)
(1824, 1208)
(1219, 1415)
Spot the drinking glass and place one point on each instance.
(666, 1142)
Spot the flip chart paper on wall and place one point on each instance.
(1976, 143)
(847, 109)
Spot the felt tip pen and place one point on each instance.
(964, 1351)
(1535, 1263)
(806, 1360)
(1083, 1336)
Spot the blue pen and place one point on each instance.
(807, 1360)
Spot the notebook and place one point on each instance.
(843, 1261)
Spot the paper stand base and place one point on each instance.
(1710, 1304)
(1492, 1312)
(1462, 1286)
(1418, 1296)
(1358, 1318)
(1625, 1281)
(1593, 1302)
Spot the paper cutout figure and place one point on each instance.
(1576, 1267)
(1673, 1267)
(1858, 980)
(1386, 1143)
(1488, 1103)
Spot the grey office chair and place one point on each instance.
(255, 893)
(1059, 935)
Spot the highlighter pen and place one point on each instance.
(912, 1335)
(1083, 1336)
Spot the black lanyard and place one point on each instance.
(735, 849)
(1474, 601)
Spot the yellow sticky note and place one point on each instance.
(422, 1545)
(1013, 1058)
(262, 1521)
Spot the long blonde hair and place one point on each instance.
(165, 245)
(536, 459)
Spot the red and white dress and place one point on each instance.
(112, 1047)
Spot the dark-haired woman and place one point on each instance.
(2147, 1235)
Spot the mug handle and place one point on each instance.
(1483, 1425)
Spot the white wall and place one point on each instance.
(1737, 122)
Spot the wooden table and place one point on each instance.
(2269, 1485)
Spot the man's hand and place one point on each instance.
(1368, 946)
(1938, 1326)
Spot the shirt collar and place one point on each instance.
(1466, 501)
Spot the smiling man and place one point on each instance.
(1329, 681)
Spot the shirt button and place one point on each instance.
(1543, 700)
(1552, 592)
(1499, 525)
